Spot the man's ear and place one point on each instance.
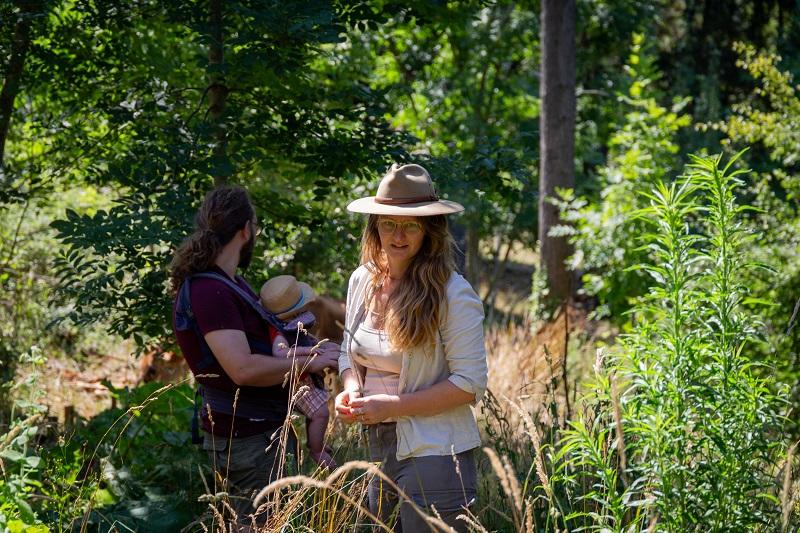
(246, 231)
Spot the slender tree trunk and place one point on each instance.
(459, 233)
(217, 89)
(557, 136)
(473, 255)
(19, 49)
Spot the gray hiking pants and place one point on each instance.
(246, 465)
(444, 482)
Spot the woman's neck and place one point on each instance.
(396, 271)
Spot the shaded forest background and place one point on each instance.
(117, 117)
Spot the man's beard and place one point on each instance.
(246, 253)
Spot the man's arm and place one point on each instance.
(232, 350)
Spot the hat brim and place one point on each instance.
(424, 209)
(308, 296)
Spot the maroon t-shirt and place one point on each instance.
(216, 306)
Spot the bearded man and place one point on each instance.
(223, 333)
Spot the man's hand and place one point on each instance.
(324, 359)
(329, 345)
(376, 408)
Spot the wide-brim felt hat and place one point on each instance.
(405, 190)
(284, 296)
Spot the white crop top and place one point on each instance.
(371, 350)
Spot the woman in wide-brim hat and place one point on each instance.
(413, 358)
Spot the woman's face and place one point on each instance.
(401, 237)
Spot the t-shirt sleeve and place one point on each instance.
(215, 307)
(273, 333)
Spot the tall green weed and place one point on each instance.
(680, 434)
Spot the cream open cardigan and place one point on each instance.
(459, 356)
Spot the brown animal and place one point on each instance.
(162, 366)
(330, 318)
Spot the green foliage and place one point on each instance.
(27, 256)
(777, 126)
(22, 473)
(128, 105)
(23, 468)
(770, 119)
(642, 152)
(23, 311)
(132, 466)
(697, 57)
(681, 432)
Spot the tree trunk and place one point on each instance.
(473, 255)
(459, 233)
(557, 136)
(217, 90)
(19, 49)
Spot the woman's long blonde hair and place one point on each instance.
(417, 305)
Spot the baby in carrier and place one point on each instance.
(287, 299)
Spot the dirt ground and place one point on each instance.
(67, 384)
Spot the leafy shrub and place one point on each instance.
(27, 313)
(770, 119)
(642, 152)
(21, 476)
(676, 431)
(681, 434)
(132, 465)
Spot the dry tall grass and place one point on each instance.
(538, 365)
(526, 379)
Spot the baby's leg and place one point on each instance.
(316, 426)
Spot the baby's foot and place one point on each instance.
(323, 458)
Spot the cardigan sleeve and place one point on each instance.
(349, 319)
(462, 337)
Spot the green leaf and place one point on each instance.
(12, 455)
(25, 510)
(104, 497)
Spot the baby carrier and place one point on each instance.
(219, 400)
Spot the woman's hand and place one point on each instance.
(343, 405)
(375, 408)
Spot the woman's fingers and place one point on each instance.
(345, 416)
(342, 399)
(344, 409)
(357, 402)
(350, 406)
